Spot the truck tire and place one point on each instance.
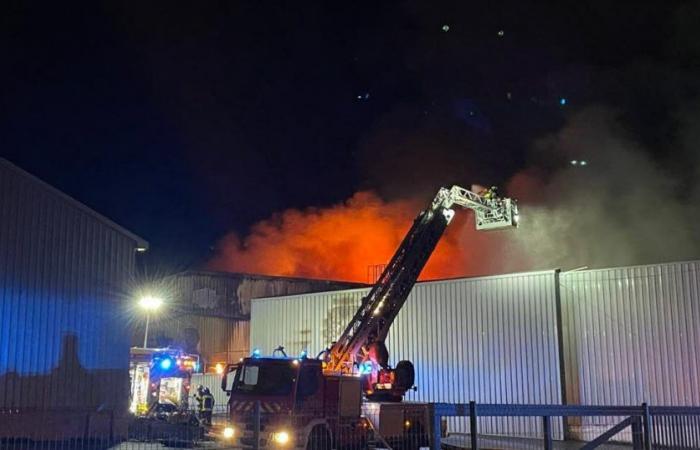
(319, 439)
(405, 374)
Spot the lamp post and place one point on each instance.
(150, 304)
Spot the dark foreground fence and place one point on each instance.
(655, 427)
(637, 427)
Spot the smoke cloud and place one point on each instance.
(623, 207)
(344, 241)
(635, 201)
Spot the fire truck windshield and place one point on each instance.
(265, 378)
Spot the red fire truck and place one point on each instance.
(349, 397)
(160, 377)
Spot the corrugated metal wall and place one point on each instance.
(213, 382)
(215, 306)
(631, 336)
(63, 272)
(491, 339)
(220, 339)
(229, 294)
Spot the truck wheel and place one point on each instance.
(319, 439)
(405, 374)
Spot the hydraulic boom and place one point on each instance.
(361, 348)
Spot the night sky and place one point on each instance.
(183, 122)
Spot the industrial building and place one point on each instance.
(67, 284)
(64, 277)
(617, 336)
(208, 313)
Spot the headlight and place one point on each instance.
(229, 432)
(281, 437)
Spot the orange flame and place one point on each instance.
(342, 241)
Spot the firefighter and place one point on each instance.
(205, 404)
(488, 194)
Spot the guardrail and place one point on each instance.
(653, 427)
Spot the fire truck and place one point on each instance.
(160, 379)
(349, 397)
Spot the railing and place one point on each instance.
(647, 427)
(656, 427)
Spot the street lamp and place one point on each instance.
(149, 303)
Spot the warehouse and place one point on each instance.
(611, 336)
(208, 313)
(64, 277)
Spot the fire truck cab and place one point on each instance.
(299, 406)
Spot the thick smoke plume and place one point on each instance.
(343, 242)
(623, 207)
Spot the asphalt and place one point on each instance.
(460, 441)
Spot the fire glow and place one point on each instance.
(340, 242)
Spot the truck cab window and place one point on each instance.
(265, 379)
(250, 375)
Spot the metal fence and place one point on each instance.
(655, 427)
(258, 425)
(109, 431)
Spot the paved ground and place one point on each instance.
(158, 446)
(458, 441)
(455, 441)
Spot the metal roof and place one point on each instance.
(140, 242)
(257, 276)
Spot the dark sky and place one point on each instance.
(185, 121)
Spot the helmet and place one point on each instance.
(200, 389)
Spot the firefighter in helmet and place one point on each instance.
(489, 193)
(205, 404)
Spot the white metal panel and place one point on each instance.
(213, 382)
(490, 339)
(631, 335)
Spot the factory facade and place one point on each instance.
(68, 314)
(618, 336)
(208, 313)
(64, 277)
(610, 336)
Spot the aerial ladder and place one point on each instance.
(317, 403)
(361, 348)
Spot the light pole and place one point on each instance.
(149, 303)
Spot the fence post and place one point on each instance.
(436, 434)
(547, 430)
(473, 430)
(637, 437)
(646, 426)
(256, 425)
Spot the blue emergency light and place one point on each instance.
(166, 363)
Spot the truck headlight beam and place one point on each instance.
(281, 437)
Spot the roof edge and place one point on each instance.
(260, 276)
(141, 243)
(418, 283)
